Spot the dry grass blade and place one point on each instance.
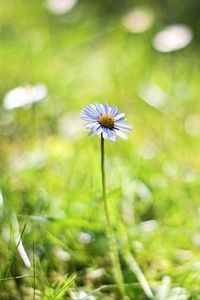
(139, 274)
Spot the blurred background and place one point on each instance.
(55, 57)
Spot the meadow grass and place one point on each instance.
(50, 174)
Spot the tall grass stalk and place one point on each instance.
(111, 237)
(34, 281)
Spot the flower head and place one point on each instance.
(106, 120)
(138, 20)
(172, 38)
(60, 7)
(24, 95)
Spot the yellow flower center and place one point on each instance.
(107, 121)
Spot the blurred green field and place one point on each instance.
(50, 169)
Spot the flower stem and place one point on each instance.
(111, 237)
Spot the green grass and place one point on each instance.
(84, 57)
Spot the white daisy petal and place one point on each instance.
(99, 130)
(90, 125)
(119, 116)
(94, 129)
(105, 135)
(114, 111)
(88, 119)
(92, 106)
(109, 110)
(111, 135)
(123, 126)
(89, 115)
(121, 134)
(98, 108)
(103, 109)
(91, 111)
(106, 108)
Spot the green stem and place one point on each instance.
(111, 237)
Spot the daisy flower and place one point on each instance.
(24, 95)
(106, 120)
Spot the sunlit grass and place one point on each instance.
(52, 181)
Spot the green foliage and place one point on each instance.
(57, 292)
(50, 174)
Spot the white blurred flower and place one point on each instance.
(60, 7)
(179, 293)
(24, 95)
(85, 238)
(93, 274)
(172, 38)
(138, 20)
(153, 95)
(148, 226)
(62, 254)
